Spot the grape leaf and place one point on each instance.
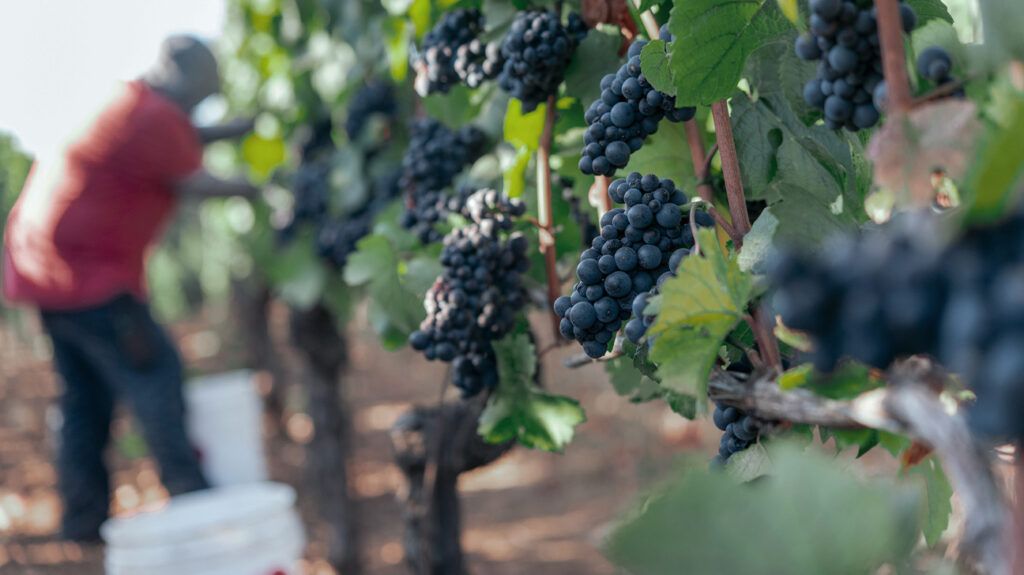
(521, 411)
(596, 56)
(699, 308)
(263, 155)
(807, 518)
(661, 155)
(749, 464)
(396, 309)
(712, 42)
(929, 10)
(938, 505)
(655, 66)
(757, 244)
(523, 129)
(994, 178)
(373, 258)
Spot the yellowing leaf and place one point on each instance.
(263, 155)
(790, 10)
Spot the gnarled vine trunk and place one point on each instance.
(433, 446)
(250, 303)
(315, 333)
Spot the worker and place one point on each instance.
(75, 248)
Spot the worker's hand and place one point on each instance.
(231, 129)
(239, 126)
(205, 184)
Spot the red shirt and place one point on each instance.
(79, 233)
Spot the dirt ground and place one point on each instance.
(530, 512)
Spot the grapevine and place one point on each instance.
(801, 294)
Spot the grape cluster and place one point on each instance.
(478, 296)
(311, 191)
(436, 64)
(935, 65)
(636, 328)
(336, 238)
(843, 37)
(371, 98)
(536, 51)
(627, 259)
(477, 62)
(981, 335)
(628, 111)
(435, 156)
(741, 431)
(898, 292)
(874, 298)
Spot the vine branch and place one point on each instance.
(730, 168)
(894, 61)
(546, 233)
(909, 405)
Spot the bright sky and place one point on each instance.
(58, 58)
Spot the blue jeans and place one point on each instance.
(115, 351)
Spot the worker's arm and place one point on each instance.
(204, 184)
(231, 129)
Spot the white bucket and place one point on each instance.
(224, 420)
(239, 530)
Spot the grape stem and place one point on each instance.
(546, 234)
(581, 359)
(894, 60)
(940, 92)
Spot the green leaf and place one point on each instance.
(848, 381)
(699, 308)
(654, 62)
(799, 376)
(995, 175)
(455, 108)
(938, 502)
(662, 155)
(398, 49)
(373, 258)
(303, 290)
(396, 307)
(596, 56)
(524, 130)
(713, 40)
(514, 176)
(519, 410)
(749, 464)
(809, 175)
(863, 439)
(809, 517)
(757, 244)
(1002, 21)
(930, 10)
